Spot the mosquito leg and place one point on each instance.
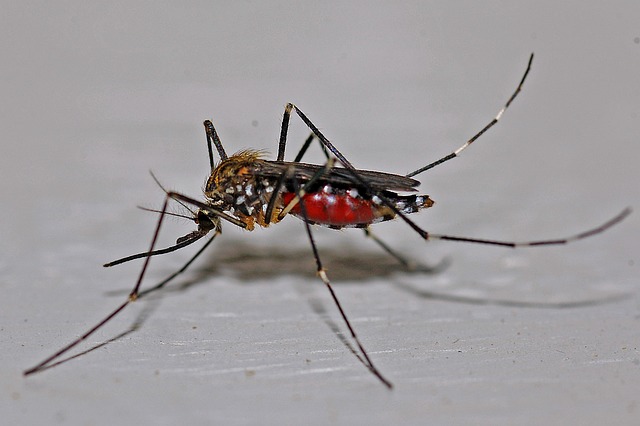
(328, 145)
(513, 244)
(284, 129)
(44, 364)
(410, 265)
(550, 242)
(212, 136)
(346, 163)
(131, 298)
(283, 138)
(283, 132)
(274, 197)
(179, 271)
(135, 292)
(323, 276)
(323, 140)
(428, 236)
(306, 145)
(183, 241)
(481, 132)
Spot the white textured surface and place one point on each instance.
(94, 96)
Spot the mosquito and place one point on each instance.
(247, 190)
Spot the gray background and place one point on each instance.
(93, 96)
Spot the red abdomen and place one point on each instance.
(337, 210)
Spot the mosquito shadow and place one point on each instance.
(247, 264)
(318, 308)
(343, 263)
(486, 301)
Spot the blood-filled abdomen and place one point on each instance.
(347, 208)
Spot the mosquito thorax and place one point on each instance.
(235, 188)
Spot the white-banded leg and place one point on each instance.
(208, 219)
(410, 265)
(329, 146)
(321, 271)
(481, 132)
(429, 236)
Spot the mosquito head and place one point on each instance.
(207, 222)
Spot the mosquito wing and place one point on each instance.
(378, 181)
